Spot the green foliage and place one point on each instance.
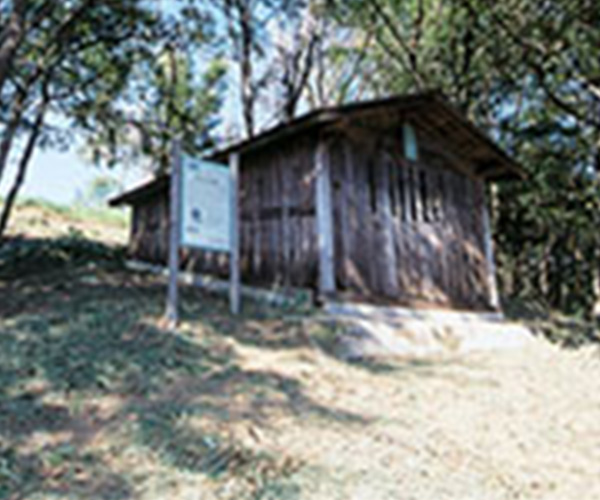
(169, 93)
(84, 56)
(130, 76)
(527, 72)
(20, 258)
(99, 190)
(97, 70)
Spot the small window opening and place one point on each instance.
(442, 196)
(412, 184)
(401, 196)
(372, 186)
(392, 186)
(425, 201)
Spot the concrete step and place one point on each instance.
(371, 331)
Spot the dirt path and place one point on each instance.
(518, 424)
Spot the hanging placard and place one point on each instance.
(411, 151)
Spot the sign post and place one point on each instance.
(203, 215)
(171, 314)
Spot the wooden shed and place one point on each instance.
(381, 201)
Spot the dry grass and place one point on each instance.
(41, 219)
(98, 401)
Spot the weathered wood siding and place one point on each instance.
(404, 232)
(149, 229)
(277, 231)
(277, 207)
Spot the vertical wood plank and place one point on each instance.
(234, 258)
(306, 200)
(417, 191)
(464, 217)
(286, 227)
(256, 224)
(459, 241)
(479, 242)
(494, 299)
(324, 219)
(372, 223)
(389, 269)
(365, 227)
(397, 189)
(441, 233)
(413, 260)
(451, 237)
(273, 220)
(351, 224)
(335, 169)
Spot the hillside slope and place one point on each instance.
(40, 219)
(99, 401)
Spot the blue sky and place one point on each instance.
(58, 176)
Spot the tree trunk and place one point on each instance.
(22, 168)
(596, 285)
(246, 69)
(12, 36)
(239, 17)
(10, 131)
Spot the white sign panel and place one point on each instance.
(205, 205)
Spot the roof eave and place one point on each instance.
(145, 190)
(511, 168)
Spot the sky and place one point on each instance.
(58, 176)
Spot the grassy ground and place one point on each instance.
(98, 400)
(43, 219)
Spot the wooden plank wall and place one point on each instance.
(149, 229)
(406, 231)
(278, 245)
(277, 207)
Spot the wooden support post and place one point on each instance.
(171, 314)
(494, 299)
(389, 277)
(234, 258)
(324, 211)
(286, 225)
(596, 287)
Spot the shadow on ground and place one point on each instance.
(84, 361)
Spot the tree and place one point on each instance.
(527, 72)
(174, 92)
(66, 56)
(100, 68)
(296, 37)
(184, 105)
(272, 48)
(246, 22)
(99, 190)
